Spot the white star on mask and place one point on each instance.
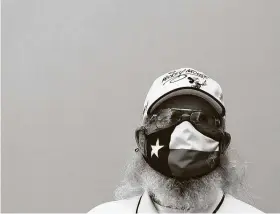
(156, 148)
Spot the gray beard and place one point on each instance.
(188, 195)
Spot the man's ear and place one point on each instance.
(138, 135)
(141, 139)
(137, 139)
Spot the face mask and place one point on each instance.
(182, 152)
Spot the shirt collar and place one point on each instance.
(146, 205)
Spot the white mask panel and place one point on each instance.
(185, 136)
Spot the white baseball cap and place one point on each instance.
(184, 81)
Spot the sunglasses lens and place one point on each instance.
(202, 118)
(164, 119)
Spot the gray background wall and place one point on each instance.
(74, 79)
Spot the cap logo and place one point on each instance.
(174, 76)
(196, 83)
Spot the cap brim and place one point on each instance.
(189, 91)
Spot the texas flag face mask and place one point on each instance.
(182, 152)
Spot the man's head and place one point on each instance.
(182, 162)
(183, 133)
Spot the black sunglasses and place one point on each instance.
(166, 118)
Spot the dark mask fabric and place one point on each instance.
(182, 152)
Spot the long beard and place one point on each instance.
(188, 195)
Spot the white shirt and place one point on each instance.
(144, 204)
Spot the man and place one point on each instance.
(182, 162)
